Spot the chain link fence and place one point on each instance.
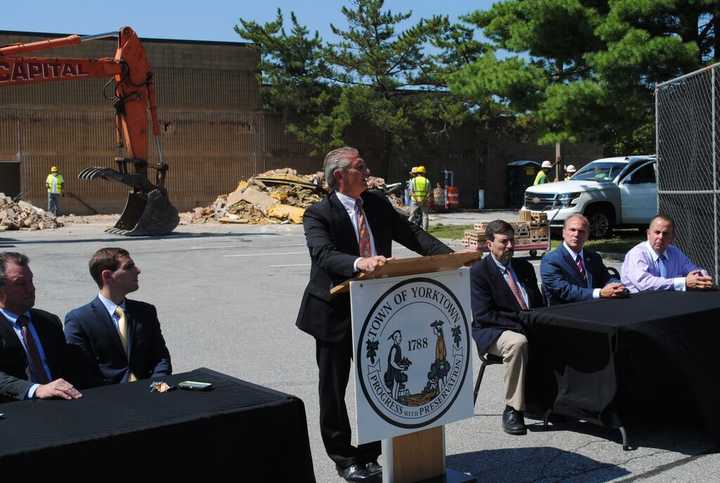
(687, 120)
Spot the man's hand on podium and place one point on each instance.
(369, 264)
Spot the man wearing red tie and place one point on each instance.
(33, 355)
(349, 231)
(500, 288)
(571, 274)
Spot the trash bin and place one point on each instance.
(520, 175)
(453, 197)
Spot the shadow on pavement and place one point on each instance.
(9, 242)
(533, 464)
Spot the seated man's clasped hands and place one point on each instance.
(657, 264)
(571, 273)
(34, 359)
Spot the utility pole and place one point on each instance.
(559, 165)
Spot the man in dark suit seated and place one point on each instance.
(34, 358)
(120, 338)
(500, 288)
(571, 274)
(348, 232)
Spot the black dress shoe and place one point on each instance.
(355, 473)
(373, 468)
(513, 421)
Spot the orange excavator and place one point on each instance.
(148, 210)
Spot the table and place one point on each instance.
(257, 433)
(615, 361)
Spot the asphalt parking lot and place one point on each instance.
(227, 297)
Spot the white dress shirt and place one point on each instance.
(110, 306)
(348, 203)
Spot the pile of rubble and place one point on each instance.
(24, 216)
(276, 196)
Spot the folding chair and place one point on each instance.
(485, 360)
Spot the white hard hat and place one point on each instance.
(570, 168)
(546, 164)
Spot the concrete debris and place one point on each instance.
(24, 216)
(276, 196)
(375, 183)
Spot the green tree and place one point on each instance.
(377, 76)
(585, 70)
(292, 72)
(545, 45)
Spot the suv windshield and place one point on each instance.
(599, 171)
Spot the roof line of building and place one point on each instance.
(144, 39)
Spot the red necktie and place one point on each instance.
(580, 264)
(37, 370)
(515, 289)
(363, 233)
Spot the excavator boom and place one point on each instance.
(148, 210)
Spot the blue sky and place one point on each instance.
(195, 19)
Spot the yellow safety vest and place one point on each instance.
(419, 186)
(540, 178)
(54, 183)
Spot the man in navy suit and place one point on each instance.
(500, 288)
(571, 274)
(120, 338)
(349, 232)
(34, 359)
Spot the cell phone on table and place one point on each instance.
(195, 385)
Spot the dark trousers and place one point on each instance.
(333, 360)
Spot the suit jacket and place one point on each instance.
(495, 308)
(561, 279)
(92, 330)
(13, 360)
(333, 250)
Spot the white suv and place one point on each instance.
(611, 192)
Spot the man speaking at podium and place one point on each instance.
(348, 232)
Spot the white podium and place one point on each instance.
(413, 373)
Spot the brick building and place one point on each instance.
(214, 131)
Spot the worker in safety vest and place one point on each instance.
(541, 177)
(569, 171)
(54, 183)
(419, 192)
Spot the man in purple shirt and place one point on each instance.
(656, 264)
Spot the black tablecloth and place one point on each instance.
(257, 433)
(614, 361)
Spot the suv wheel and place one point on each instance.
(600, 223)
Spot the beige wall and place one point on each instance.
(213, 131)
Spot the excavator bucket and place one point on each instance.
(147, 214)
(148, 210)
